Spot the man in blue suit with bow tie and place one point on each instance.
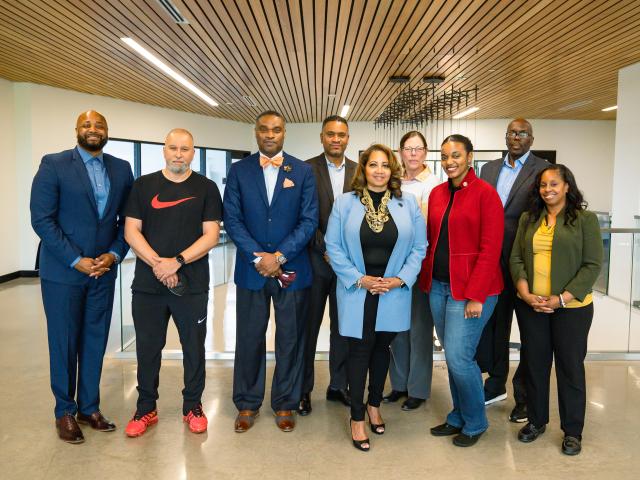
(270, 212)
(77, 202)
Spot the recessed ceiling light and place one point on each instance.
(344, 111)
(573, 106)
(608, 109)
(168, 70)
(465, 113)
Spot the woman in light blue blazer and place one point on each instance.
(376, 240)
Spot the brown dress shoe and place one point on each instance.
(97, 421)
(285, 420)
(245, 420)
(68, 429)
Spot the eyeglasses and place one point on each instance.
(413, 149)
(520, 135)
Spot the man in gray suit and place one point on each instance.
(333, 172)
(513, 177)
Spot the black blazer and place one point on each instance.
(518, 200)
(317, 247)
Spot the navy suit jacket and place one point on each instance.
(64, 214)
(286, 225)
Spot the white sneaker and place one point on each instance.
(497, 398)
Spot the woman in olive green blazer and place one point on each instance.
(556, 259)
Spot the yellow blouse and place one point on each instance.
(542, 249)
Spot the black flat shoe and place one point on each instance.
(411, 403)
(359, 444)
(464, 440)
(571, 445)
(304, 408)
(519, 413)
(339, 396)
(394, 396)
(530, 432)
(445, 430)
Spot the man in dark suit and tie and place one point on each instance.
(77, 202)
(513, 177)
(271, 213)
(333, 173)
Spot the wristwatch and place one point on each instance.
(180, 259)
(280, 258)
(402, 284)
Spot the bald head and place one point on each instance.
(178, 151)
(519, 138)
(92, 131)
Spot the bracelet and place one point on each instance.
(562, 304)
(359, 282)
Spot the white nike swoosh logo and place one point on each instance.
(202, 319)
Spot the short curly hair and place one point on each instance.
(359, 181)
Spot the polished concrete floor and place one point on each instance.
(318, 448)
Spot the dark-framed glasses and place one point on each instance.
(520, 135)
(413, 149)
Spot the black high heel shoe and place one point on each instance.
(359, 444)
(378, 429)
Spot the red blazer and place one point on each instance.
(476, 229)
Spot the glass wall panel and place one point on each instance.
(123, 149)
(151, 158)
(216, 168)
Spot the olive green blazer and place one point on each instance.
(576, 253)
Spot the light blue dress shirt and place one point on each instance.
(271, 177)
(508, 175)
(99, 183)
(336, 175)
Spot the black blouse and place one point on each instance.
(441, 255)
(377, 247)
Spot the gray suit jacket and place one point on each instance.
(317, 247)
(518, 200)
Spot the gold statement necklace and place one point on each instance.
(376, 218)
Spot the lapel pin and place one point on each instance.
(287, 168)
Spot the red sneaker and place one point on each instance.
(196, 419)
(138, 424)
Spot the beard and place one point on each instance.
(177, 169)
(96, 147)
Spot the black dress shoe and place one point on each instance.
(464, 440)
(571, 445)
(519, 413)
(394, 396)
(444, 430)
(304, 408)
(341, 395)
(411, 403)
(68, 429)
(530, 432)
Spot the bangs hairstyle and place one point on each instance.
(413, 133)
(359, 181)
(575, 200)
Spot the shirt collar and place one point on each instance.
(330, 164)
(521, 160)
(279, 154)
(87, 156)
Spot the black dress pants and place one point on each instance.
(151, 318)
(369, 354)
(324, 285)
(493, 350)
(563, 335)
(249, 368)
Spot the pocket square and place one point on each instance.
(287, 183)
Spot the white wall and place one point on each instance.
(9, 240)
(45, 120)
(586, 147)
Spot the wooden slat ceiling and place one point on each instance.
(306, 58)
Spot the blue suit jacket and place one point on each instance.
(286, 225)
(345, 253)
(64, 214)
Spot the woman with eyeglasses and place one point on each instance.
(412, 351)
(462, 275)
(376, 240)
(556, 259)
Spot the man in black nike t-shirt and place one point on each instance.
(173, 220)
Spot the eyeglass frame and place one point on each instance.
(521, 135)
(414, 149)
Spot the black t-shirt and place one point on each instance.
(441, 255)
(172, 215)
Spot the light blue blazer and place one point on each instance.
(345, 253)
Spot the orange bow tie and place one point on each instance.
(275, 161)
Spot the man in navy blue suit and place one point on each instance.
(270, 212)
(77, 200)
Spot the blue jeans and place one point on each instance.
(459, 337)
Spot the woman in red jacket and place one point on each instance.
(461, 272)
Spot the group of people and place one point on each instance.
(394, 251)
